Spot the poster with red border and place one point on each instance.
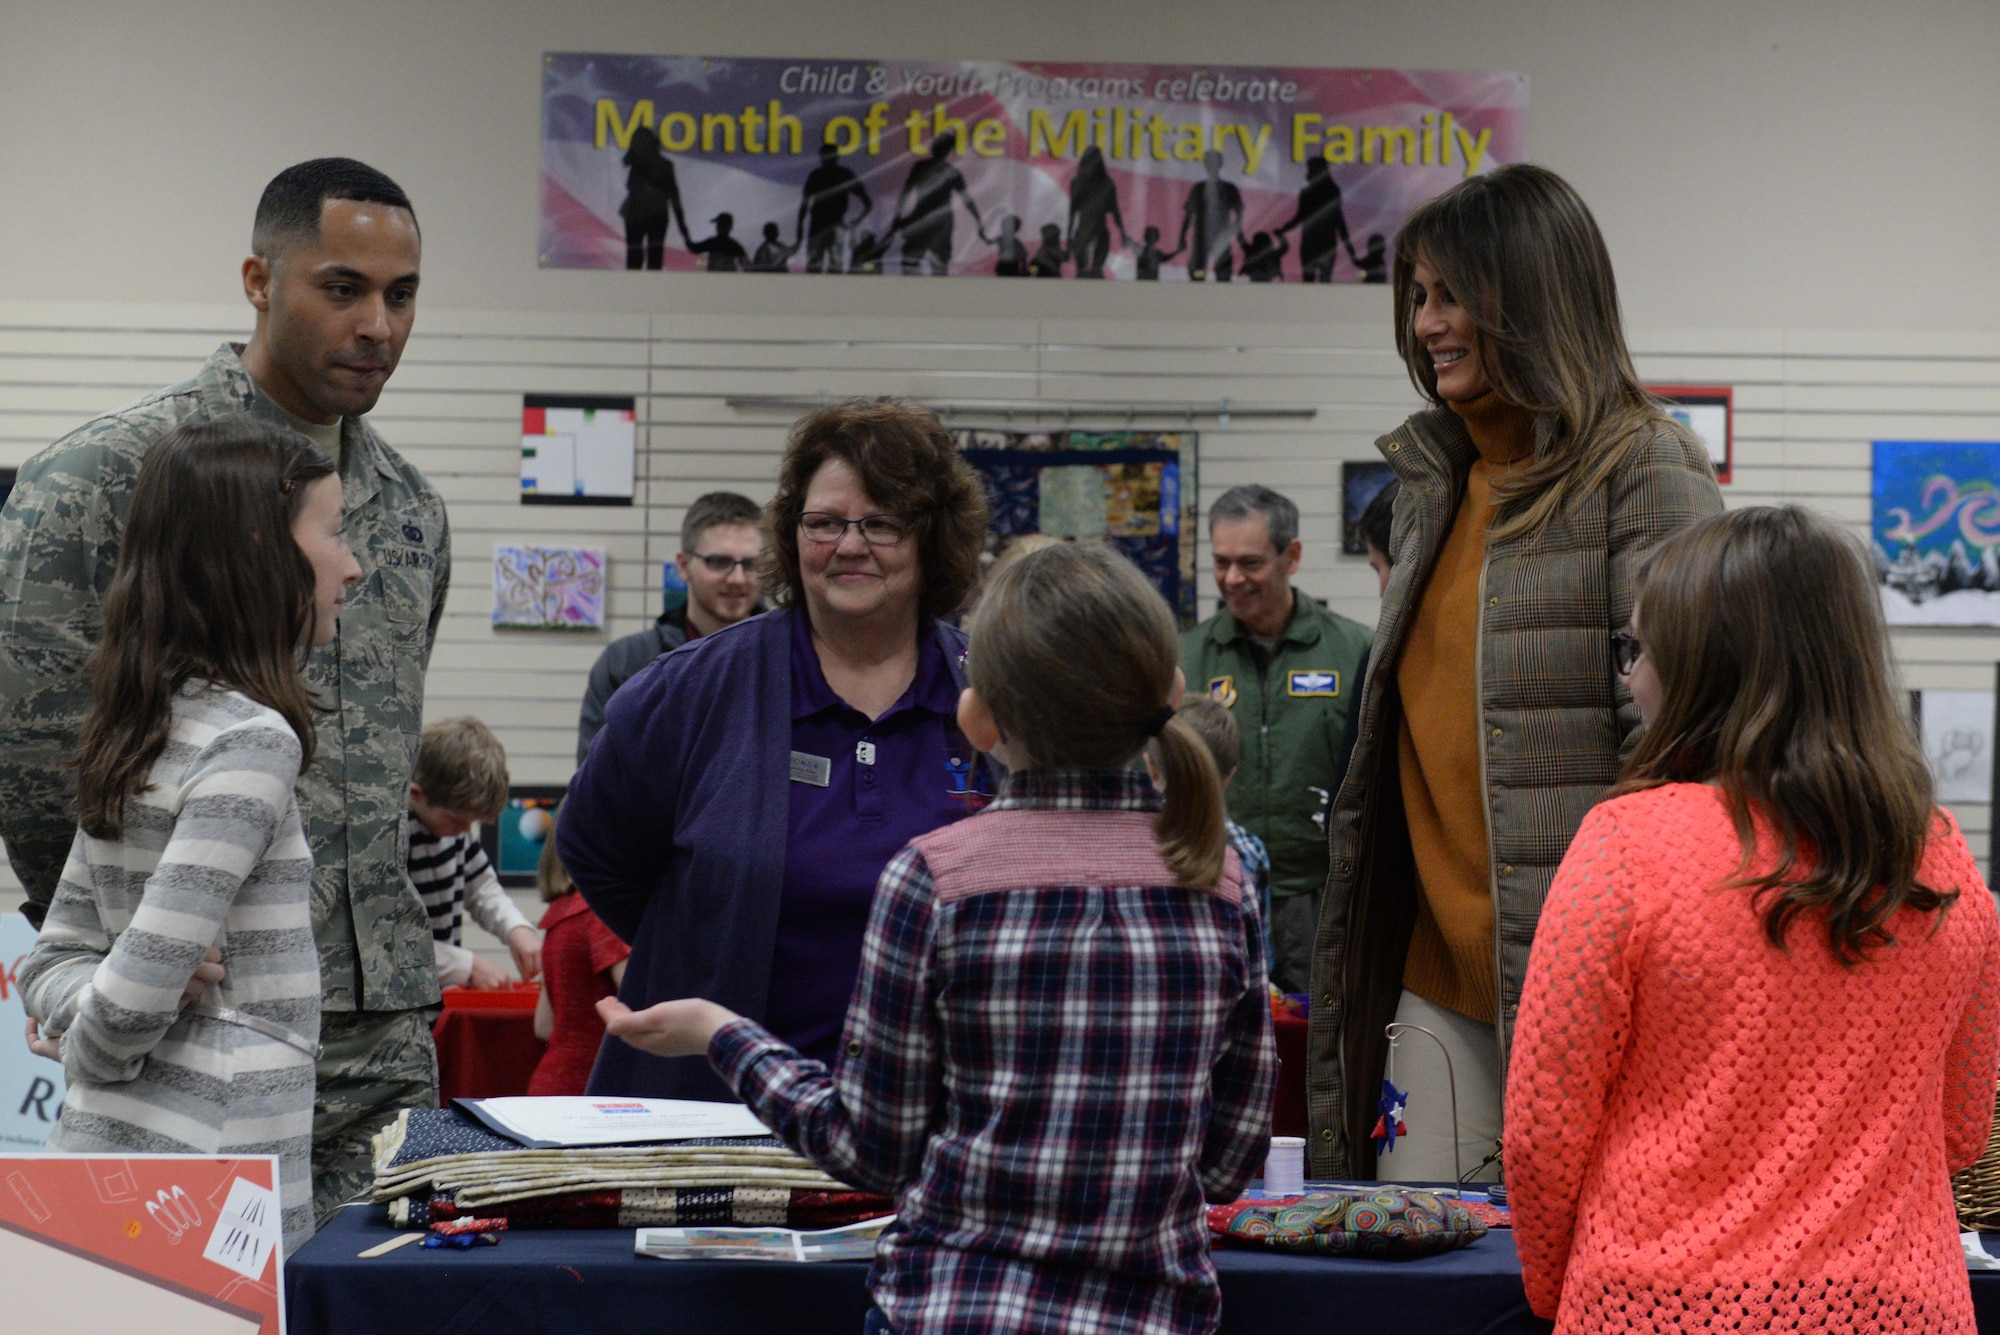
(161, 1243)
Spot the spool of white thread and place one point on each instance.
(1285, 1166)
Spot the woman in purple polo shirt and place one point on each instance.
(747, 789)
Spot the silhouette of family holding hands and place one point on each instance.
(828, 225)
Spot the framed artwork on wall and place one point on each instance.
(514, 842)
(1934, 530)
(1361, 481)
(1710, 412)
(1135, 490)
(578, 449)
(548, 588)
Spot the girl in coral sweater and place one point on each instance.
(1759, 1026)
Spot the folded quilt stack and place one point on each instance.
(437, 1164)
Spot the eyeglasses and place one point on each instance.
(877, 530)
(1626, 651)
(718, 564)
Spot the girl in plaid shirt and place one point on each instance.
(1059, 1044)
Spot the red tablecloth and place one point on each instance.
(1288, 1100)
(487, 1049)
(486, 1043)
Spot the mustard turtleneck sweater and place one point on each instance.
(1451, 952)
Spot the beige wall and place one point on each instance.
(1797, 163)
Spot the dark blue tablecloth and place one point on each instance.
(588, 1280)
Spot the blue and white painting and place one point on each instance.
(1935, 528)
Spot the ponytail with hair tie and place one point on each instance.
(1073, 650)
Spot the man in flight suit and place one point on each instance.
(1290, 671)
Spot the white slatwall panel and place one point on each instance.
(1807, 406)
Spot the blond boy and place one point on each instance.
(460, 780)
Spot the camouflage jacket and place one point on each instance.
(59, 534)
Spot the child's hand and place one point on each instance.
(670, 1029)
(43, 1047)
(485, 976)
(206, 972)
(526, 944)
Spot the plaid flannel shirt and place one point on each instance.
(1050, 1061)
(1255, 861)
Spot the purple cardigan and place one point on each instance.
(674, 830)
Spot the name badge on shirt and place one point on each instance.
(1322, 684)
(815, 770)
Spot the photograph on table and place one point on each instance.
(578, 449)
(548, 588)
(1361, 481)
(1133, 490)
(1934, 526)
(168, 1244)
(514, 842)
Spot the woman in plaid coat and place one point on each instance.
(1492, 718)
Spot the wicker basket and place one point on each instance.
(1976, 1191)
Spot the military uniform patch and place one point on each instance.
(1325, 685)
(1222, 690)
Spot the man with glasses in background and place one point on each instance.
(721, 541)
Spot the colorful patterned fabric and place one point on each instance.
(442, 1151)
(1389, 1224)
(1053, 1055)
(1705, 1132)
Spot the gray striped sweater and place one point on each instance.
(213, 854)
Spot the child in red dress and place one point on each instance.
(582, 963)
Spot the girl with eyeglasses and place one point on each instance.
(1491, 718)
(734, 814)
(1762, 1015)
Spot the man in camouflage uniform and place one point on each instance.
(333, 282)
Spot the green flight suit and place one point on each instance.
(1294, 706)
(59, 535)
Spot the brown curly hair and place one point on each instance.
(909, 466)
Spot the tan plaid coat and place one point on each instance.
(1555, 722)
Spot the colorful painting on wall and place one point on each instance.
(1132, 489)
(578, 449)
(514, 840)
(553, 588)
(1935, 532)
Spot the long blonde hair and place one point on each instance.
(1777, 686)
(1075, 654)
(1523, 257)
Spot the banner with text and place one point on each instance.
(1146, 172)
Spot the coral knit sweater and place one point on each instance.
(1451, 962)
(1707, 1133)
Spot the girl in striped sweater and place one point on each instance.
(176, 973)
